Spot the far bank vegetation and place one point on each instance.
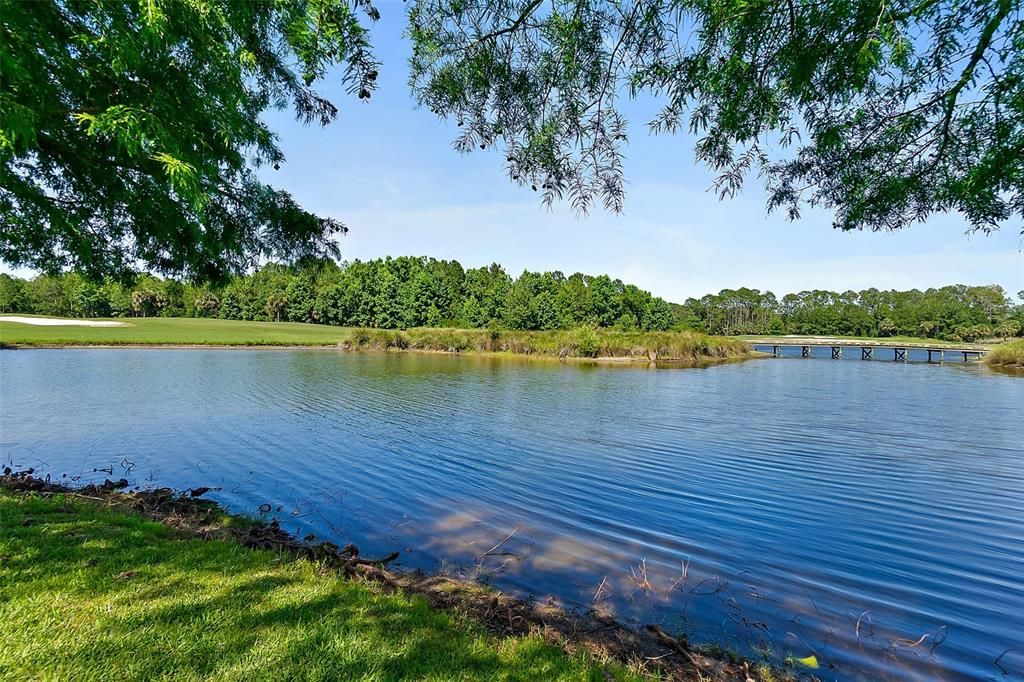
(582, 342)
(408, 292)
(1010, 354)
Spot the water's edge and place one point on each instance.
(501, 613)
(764, 505)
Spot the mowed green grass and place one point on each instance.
(177, 330)
(89, 593)
(606, 343)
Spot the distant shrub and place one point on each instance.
(587, 342)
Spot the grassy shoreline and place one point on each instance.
(153, 584)
(1009, 354)
(601, 344)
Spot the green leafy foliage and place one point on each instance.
(408, 292)
(885, 111)
(130, 131)
(390, 293)
(954, 313)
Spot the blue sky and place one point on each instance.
(388, 171)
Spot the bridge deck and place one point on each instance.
(865, 343)
(867, 348)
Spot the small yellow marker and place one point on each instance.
(811, 661)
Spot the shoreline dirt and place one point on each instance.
(650, 650)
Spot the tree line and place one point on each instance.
(404, 292)
(389, 293)
(954, 313)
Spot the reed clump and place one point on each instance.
(582, 342)
(1009, 354)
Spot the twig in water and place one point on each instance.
(755, 593)
(640, 578)
(938, 637)
(600, 590)
(804, 642)
(719, 585)
(908, 642)
(484, 574)
(684, 572)
(999, 658)
(813, 603)
(857, 628)
(491, 551)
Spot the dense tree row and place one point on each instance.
(390, 293)
(404, 292)
(957, 313)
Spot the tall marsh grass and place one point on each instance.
(583, 342)
(1009, 354)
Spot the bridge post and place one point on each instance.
(965, 356)
(837, 352)
(775, 351)
(899, 354)
(805, 351)
(865, 353)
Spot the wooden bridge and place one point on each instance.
(870, 350)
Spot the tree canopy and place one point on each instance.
(388, 293)
(955, 313)
(130, 130)
(884, 111)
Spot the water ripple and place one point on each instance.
(840, 507)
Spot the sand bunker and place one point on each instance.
(58, 322)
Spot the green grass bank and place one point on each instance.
(93, 593)
(1009, 354)
(100, 584)
(687, 347)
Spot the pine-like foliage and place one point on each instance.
(884, 111)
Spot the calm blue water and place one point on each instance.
(782, 507)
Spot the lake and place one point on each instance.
(871, 513)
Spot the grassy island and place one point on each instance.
(584, 342)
